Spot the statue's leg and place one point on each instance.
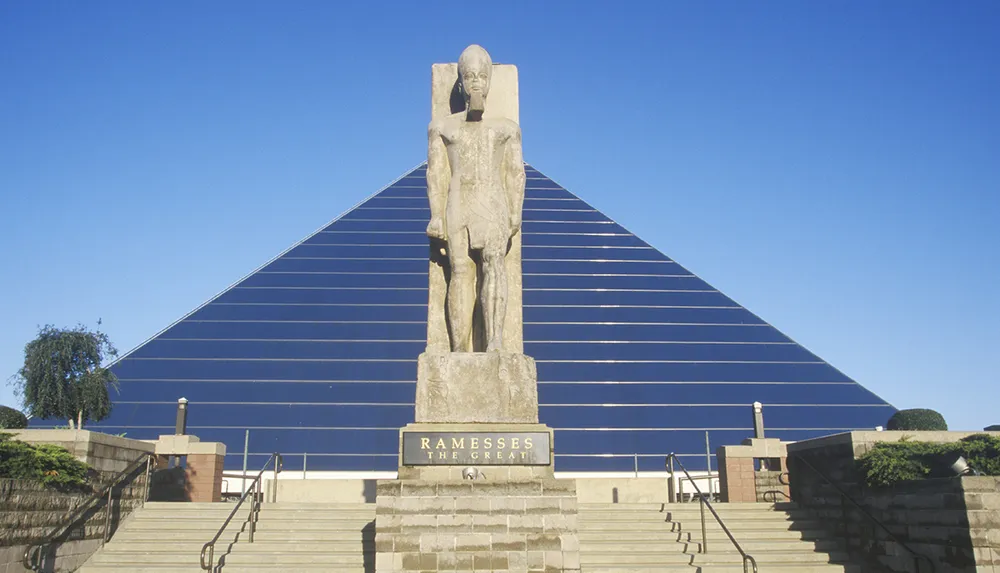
(461, 292)
(494, 296)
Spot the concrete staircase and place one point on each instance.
(655, 538)
(339, 538)
(168, 537)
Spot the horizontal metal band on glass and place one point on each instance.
(419, 226)
(552, 313)
(529, 267)
(601, 419)
(417, 312)
(422, 250)
(563, 395)
(527, 214)
(217, 349)
(286, 327)
(419, 296)
(660, 283)
(581, 240)
(405, 370)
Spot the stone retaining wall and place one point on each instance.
(955, 522)
(29, 512)
(105, 453)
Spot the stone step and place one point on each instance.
(319, 506)
(176, 535)
(782, 568)
(213, 525)
(807, 534)
(258, 546)
(675, 516)
(146, 568)
(734, 526)
(301, 535)
(244, 511)
(789, 545)
(713, 558)
(288, 559)
(768, 559)
(202, 525)
(311, 524)
(720, 507)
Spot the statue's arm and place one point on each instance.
(514, 178)
(438, 180)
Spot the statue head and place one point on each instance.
(475, 68)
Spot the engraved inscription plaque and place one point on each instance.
(476, 448)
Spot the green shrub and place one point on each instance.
(917, 419)
(11, 419)
(52, 465)
(993, 428)
(889, 463)
(983, 453)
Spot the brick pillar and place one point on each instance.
(204, 477)
(737, 480)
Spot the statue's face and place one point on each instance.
(475, 75)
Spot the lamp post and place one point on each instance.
(180, 427)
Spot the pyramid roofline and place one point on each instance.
(268, 262)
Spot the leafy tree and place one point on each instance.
(63, 376)
(917, 419)
(11, 419)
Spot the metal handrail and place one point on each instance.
(32, 559)
(747, 558)
(916, 556)
(254, 492)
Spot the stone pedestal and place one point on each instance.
(476, 525)
(476, 387)
(512, 517)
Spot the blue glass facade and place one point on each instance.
(315, 353)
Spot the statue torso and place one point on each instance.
(477, 198)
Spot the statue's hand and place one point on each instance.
(435, 229)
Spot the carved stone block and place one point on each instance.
(476, 387)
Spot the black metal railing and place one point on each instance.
(35, 552)
(704, 502)
(916, 556)
(255, 493)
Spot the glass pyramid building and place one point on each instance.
(315, 352)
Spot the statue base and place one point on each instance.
(476, 387)
(455, 510)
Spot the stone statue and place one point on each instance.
(475, 183)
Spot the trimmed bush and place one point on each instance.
(889, 463)
(917, 419)
(11, 419)
(49, 464)
(993, 428)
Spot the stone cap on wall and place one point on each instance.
(861, 441)
(64, 437)
(184, 445)
(756, 448)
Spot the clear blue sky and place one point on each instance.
(833, 166)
